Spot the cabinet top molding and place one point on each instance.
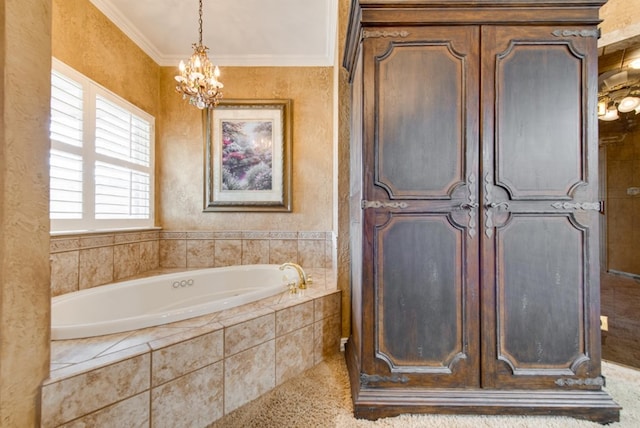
(367, 14)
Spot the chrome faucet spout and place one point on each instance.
(304, 279)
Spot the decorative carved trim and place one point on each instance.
(366, 379)
(576, 33)
(375, 34)
(471, 187)
(596, 381)
(379, 204)
(488, 187)
(594, 206)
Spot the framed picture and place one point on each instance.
(248, 155)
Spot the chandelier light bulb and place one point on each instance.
(612, 114)
(635, 64)
(628, 104)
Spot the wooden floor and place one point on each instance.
(620, 301)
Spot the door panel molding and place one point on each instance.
(540, 144)
(418, 154)
(541, 303)
(420, 294)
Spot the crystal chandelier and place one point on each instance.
(198, 78)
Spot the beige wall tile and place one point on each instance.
(126, 237)
(311, 253)
(131, 413)
(248, 375)
(126, 260)
(242, 336)
(149, 255)
(79, 395)
(193, 400)
(294, 317)
(294, 353)
(228, 234)
(255, 251)
(255, 235)
(173, 253)
(184, 357)
(200, 253)
(84, 361)
(228, 252)
(63, 243)
(96, 267)
(64, 272)
(283, 250)
(327, 306)
(79, 350)
(94, 241)
(328, 254)
(326, 338)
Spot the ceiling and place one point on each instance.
(237, 32)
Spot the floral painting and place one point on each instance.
(248, 156)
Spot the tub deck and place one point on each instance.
(193, 371)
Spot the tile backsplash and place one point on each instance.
(87, 260)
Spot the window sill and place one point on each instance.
(59, 233)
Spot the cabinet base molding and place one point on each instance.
(374, 403)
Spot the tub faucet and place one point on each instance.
(304, 278)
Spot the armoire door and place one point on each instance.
(539, 222)
(420, 206)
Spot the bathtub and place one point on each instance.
(162, 299)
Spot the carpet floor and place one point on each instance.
(321, 397)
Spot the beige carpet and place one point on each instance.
(321, 398)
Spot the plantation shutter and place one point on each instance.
(101, 159)
(65, 159)
(122, 189)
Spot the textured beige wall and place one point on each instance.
(25, 56)
(179, 156)
(621, 20)
(87, 41)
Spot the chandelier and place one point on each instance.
(619, 93)
(198, 79)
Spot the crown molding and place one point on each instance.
(326, 59)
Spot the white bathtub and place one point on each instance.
(161, 299)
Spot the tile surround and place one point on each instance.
(192, 372)
(195, 399)
(248, 375)
(88, 260)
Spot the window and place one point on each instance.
(101, 158)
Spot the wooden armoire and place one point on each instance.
(474, 208)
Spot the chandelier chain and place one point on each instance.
(200, 23)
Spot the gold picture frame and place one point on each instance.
(248, 155)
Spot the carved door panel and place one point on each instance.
(539, 224)
(420, 204)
